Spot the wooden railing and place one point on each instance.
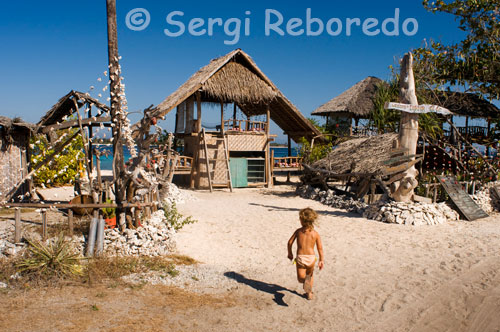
(184, 164)
(244, 125)
(286, 164)
(470, 131)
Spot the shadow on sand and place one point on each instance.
(322, 212)
(272, 289)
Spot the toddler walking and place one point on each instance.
(307, 238)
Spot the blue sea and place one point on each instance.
(107, 162)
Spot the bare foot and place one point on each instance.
(310, 296)
(307, 284)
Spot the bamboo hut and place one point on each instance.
(14, 150)
(356, 103)
(234, 152)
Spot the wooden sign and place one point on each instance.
(462, 200)
(419, 109)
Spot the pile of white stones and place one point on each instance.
(329, 198)
(485, 198)
(175, 195)
(411, 213)
(154, 238)
(389, 212)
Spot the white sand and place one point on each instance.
(377, 277)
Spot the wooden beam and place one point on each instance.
(74, 124)
(222, 118)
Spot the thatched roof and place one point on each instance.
(357, 100)
(235, 77)
(14, 127)
(367, 153)
(468, 104)
(65, 107)
(16, 124)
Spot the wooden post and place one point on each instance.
(289, 155)
(222, 118)
(434, 197)
(234, 115)
(17, 225)
(91, 135)
(272, 167)
(198, 111)
(408, 130)
(70, 222)
(117, 117)
(267, 168)
(44, 224)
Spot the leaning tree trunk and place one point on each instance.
(408, 130)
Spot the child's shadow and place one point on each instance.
(263, 287)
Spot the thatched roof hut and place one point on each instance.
(467, 104)
(362, 155)
(66, 107)
(357, 101)
(236, 78)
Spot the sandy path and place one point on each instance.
(377, 277)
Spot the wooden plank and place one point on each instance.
(69, 205)
(398, 151)
(462, 200)
(74, 123)
(400, 168)
(418, 109)
(400, 159)
(394, 178)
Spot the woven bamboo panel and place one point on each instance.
(250, 142)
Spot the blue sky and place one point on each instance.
(51, 47)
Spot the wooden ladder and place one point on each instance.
(227, 183)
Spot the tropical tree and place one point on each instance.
(473, 62)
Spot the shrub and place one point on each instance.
(174, 218)
(54, 259)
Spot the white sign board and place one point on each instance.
(418, 108)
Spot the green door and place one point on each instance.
(239, 170)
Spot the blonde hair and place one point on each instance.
(308, 217)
